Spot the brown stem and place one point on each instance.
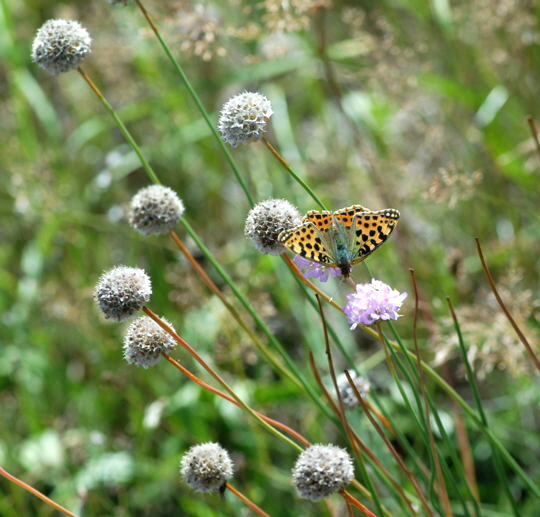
(247, 501)
(391, 448)
(491, 282)
(215, 289)
(91, 83)
(366, 450)
(534, 132)
(35, 492)
(276, 153)
(216, 376)
(204, 385)
(463, 440)
(294, 268)
(348, 497)
(422, 385)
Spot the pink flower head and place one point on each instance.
(313, 270)
(373, 302)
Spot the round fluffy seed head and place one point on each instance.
(145, 340)
(155, 210)
(122, 291)
(348, 395)
(244, 118)
(60, 45)
(322, 470)
(206, 467)
(266, 220)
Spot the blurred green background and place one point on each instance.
(417, 105)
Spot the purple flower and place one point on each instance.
(372, 302)
(314, 270)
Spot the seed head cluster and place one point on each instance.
(206, 467)
(155, 210)
(244, 118)
(347, 394)
(267, 220)
(122, 291)
(322, 470)
(60, 45)
(144, 341)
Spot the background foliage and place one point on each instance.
(416, 105)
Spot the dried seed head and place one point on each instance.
(206, 467)
(122, 291)
(60, 45)
(244, 118)
(155, 210)
(322, 470)
(145, 340)
(266, 220)
(348, 395)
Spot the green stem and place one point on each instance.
(289, 169)
(478, 401)
(198, 102)
(121, 126)
(261, 324)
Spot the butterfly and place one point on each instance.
(342, 238)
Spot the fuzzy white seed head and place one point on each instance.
(155, 210)
(122, 291)
(322, 470)
(206, 467)
(144, 341)
(244, 117)
(348, 395)
(266, 220)
(60, 45)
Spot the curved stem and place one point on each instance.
(491, 282)
(35, 492)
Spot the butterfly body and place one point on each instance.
(342, 238)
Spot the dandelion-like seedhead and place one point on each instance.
(145, 340)
(266, 220)
(372, 302)
(322, 470)
(346, 392)
(122, 291)
(155, 210)
(313, 270)
(244, 118)
(206, 467)
(60, 45)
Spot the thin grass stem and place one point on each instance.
(290, 170)
(471, 378)
(200, 106)
(218, 377)
(443, 493)
(502, 305)
(246, 501)
(35, 492)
